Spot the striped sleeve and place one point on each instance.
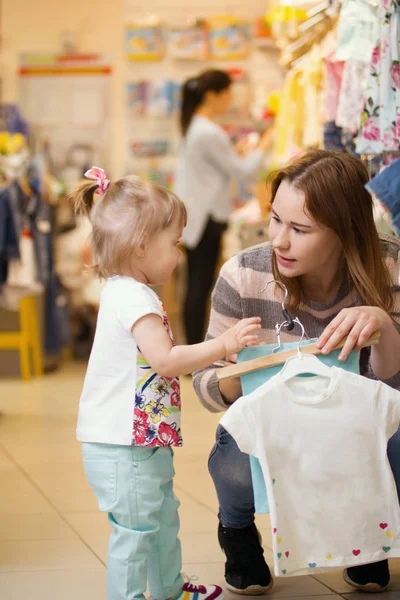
(226, 311)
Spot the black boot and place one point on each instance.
(246, 571)
(373, 578)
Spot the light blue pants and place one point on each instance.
(134, 486)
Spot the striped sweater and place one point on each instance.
(238, 294)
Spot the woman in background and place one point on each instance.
(206, 166)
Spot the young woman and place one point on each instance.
(342, 280)
(207, 164)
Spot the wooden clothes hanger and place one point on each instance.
(272, 360)
(275, 359)
(321, 20)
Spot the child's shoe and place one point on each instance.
(190, 591)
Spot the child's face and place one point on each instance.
(162, 255)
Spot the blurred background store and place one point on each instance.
(85, 84)
(95, 82)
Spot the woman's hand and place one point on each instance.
(242, 147)
(358, 324)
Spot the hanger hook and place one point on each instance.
(283, 288)
(285, 312)
(278, 328)
(303, 332)
(278, 338)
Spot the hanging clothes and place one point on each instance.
(288, 126)
(357, 30)
(322, 444)
(333, 137)
(9, 248)
(386, 187)
(351, 95)
(332, 76)
(31, 219)
(26, 258)
(356, 36)
(380, 122)
(299, 119)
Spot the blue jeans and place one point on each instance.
(230, 471)
(134, 486)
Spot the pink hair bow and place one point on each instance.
(99, 175)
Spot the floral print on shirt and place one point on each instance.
(380, 120)
(156, 420)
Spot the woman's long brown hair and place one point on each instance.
(333, 184)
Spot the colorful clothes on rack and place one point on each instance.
(31, 214)
(380, 122)
(357, 30)
(27, 261)
(288, 124)
(351, 95)
(299, 120)
(333, 74)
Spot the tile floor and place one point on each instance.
(53, 540)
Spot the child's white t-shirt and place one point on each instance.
(322, 446)
(123, 400)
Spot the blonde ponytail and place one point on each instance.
(83, 197)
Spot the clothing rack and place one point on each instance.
(320, 21)
(29, 286)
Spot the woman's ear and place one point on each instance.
(209, 97)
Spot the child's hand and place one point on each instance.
(231, 358)
(241, 335)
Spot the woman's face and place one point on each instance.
(301, 245)
(220, 102)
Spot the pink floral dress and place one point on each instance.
(380, 120)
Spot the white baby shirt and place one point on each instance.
(322, 444)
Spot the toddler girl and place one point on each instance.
(129, 412)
